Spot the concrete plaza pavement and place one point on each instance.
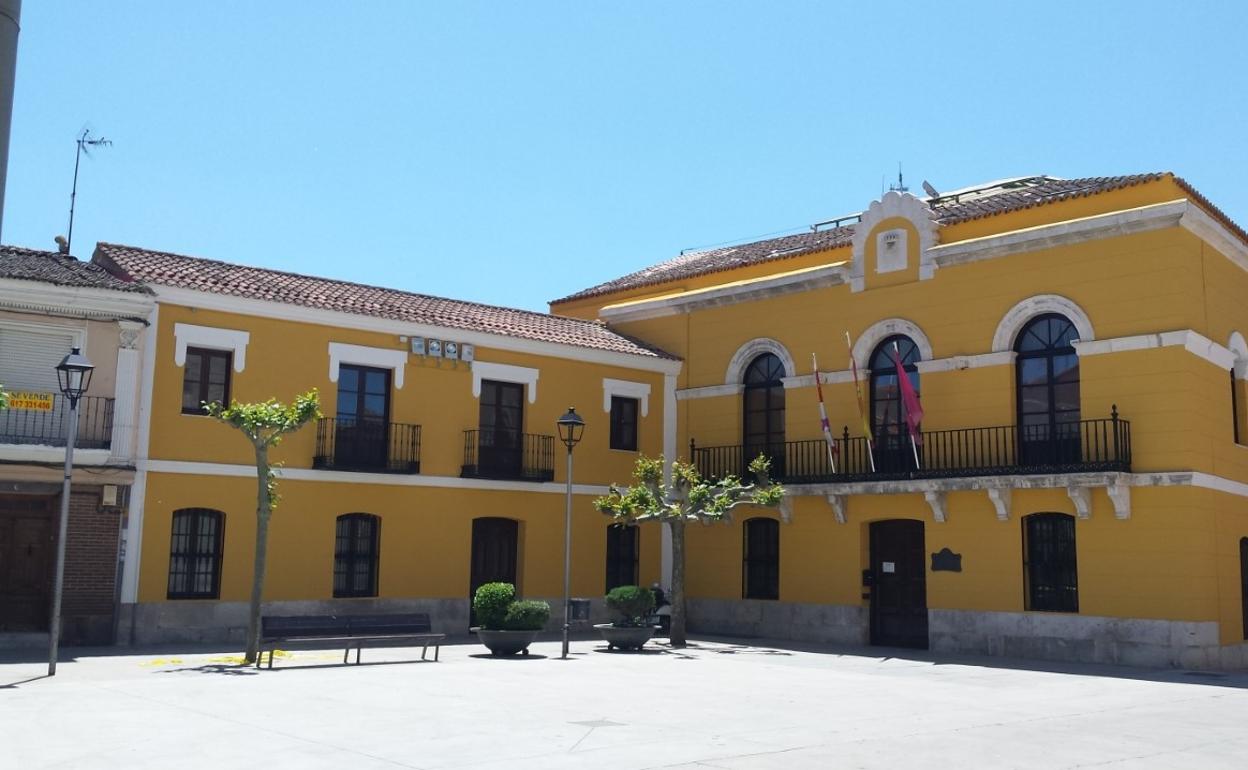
(715, 704)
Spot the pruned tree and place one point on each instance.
(685, 500)
(264, 424)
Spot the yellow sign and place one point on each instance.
(37, 402)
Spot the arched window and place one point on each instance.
(763, 419)
(355, 555)
(1047, 374)
(195, 554)
(1049, 563)
(761, 559)
(622, 553)
(888, 422)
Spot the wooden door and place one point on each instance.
(501, 444)
(27, 548)
(362, 438)
(494, 545)
(899, 584)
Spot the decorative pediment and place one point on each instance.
(892, 244)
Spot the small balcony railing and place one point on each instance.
(1073, 447)
(371, 446)
(498, 454)
(50, 427)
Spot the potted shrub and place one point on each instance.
(507, 625)
(634, 625)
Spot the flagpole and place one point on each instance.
(823, 416)
(862, 415)
(901, 372)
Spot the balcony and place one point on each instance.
(51, 427)
(496, 454)
(1075, 447)
(370, 446)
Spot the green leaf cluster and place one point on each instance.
(634, 604)
(266, 422)
(687, 497)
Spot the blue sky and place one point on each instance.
(513, 153)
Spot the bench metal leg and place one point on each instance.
(271, 658)
(346, 654)
(357, 653)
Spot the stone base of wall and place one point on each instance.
(192, 621)
(823, 623)
(1030, 635)
(1084, 639)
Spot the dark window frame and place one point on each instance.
(1243, 583)
(194, 552)
(760, 572)
(205, 356)
(625, 429)
(1058, 420)
(763, 394)
(1050, 563)
(882, 366)
(348, 556)
(623, 556)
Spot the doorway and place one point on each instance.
(27, 541)
(501, 421)
(495, 542)
(898, 575)
(363, 417)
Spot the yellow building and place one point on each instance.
(435, 468)
(1077, 488)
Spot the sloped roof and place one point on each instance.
(214, 277)
(52, 267)
(951, 208)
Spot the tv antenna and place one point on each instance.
(901, 185)
(85, 143)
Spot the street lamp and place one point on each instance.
(571, 426)
(73, 374)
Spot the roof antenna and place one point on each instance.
(901, 185)
(84, 142)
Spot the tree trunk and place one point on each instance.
(263, 512)
(677, 632)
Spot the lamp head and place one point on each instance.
(571, 427)
(73, 374)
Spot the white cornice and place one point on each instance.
(1138, 220)
(1193, 342)
(377, 479)
(1196, 221)
(747, 291)
(625, 389)
(710, 391)
(282, 311)
(383, 358)
(73, 301)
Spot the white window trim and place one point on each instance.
(382, 358)
(745, 355)
(211, 338)
(879, 331)
(625, 389)
(1239, 348)
(484, 370)
(78, 333)
(1018, 316)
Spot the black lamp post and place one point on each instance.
(73, 374)
(571, 427)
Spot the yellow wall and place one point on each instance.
(426, 537)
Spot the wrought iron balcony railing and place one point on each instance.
(372, 446)
(50, 427)
(500, 454)
(1073, 447)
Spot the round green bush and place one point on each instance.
(634, 604)
(491, 602)
(527, 615)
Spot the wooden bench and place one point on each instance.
(318, 631)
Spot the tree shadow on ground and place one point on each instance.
(20, 682)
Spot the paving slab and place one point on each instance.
(718, 703)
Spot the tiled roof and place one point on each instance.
(58, 269)
(164, 269)
(949, 209)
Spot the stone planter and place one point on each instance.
(506, 642)
(625, 637)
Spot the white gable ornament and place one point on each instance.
(892, 246)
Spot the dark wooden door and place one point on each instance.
(899, 584)
(502, 426)
(362, 439)
(494, 545)
(27, 542)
